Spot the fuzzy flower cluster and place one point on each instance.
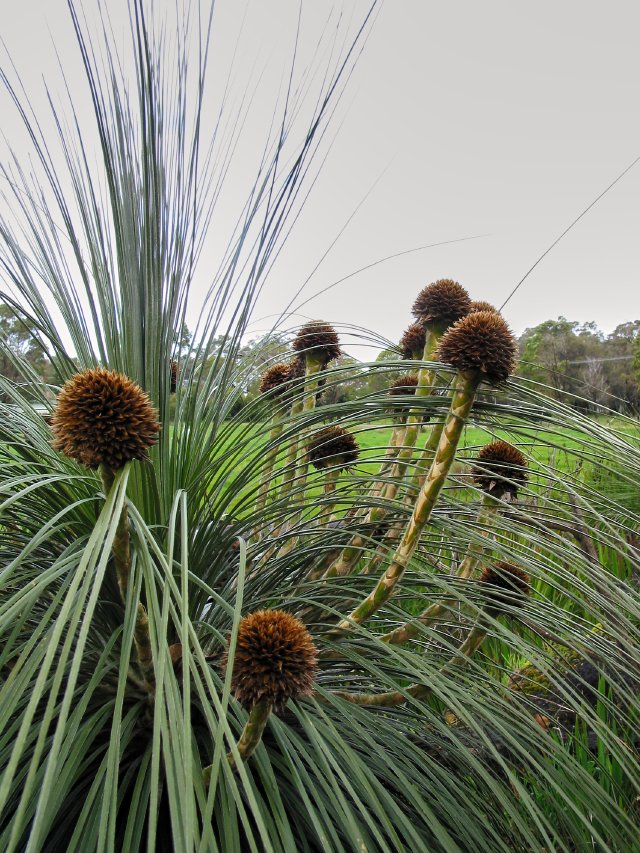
(275, 659)
(103, 417)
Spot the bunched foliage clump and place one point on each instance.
(405, 622)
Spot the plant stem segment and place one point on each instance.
(472, 643)
(350, 555)
(463, 397)
(265, 484)
(121, 550)
(295, 471)
(409, 630)
(250, 737)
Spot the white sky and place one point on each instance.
(502, 119)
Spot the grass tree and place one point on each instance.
(175, 674)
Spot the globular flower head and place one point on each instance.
(275, 660)
(500, 469)
(440, 304)
(481, 305)
(412, 341)
(103, 417)
(296, 368)
(480, 343)
(332, 447)
(275, 379)
(319, 341)
(504, 585)
(405, 386)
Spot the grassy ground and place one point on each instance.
(550, 453)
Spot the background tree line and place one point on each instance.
(567, 356)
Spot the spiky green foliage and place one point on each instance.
(529, 744)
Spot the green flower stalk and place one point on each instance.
(480, 346)
(316, 344)
(404, 386)
(501, 586)
(499, 471)
(297, 371)
(332, 450)
(274, 382)
(436, 307)
(252, 733)
(104, 420)
(437, 610)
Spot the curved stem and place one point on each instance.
(472, 643)
(251, 736)
(272, 453)
(350, 555)
(121, 550)
(476, 550)
(461, 404)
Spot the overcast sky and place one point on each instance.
(495, 120)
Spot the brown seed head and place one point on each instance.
(275, 659)
(296, 368)
(404, 386)
(504, 584)
(480, 343)
(412, 341)
(102, 417)
(407, 384)
(480, 305)
(440, 304)
(501, 469)
(274, 379)
(332, 447)
(318, 340)
(174, 376)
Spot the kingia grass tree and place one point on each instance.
(176, 673)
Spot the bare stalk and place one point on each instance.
(350, 555)
(250, 738)
(465, 389)
(472, 643)
(406, 632)
(121, 550)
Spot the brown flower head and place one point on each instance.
(275, 659)
(480, 305)
(296, 368)
(500, 469)
(319, 341)
(405, 386)
(274, 379)
(332, 447)
(412, 341)
(504, 584)
(480, 343)
(102, 417)
(174, 376)
(440, 304)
